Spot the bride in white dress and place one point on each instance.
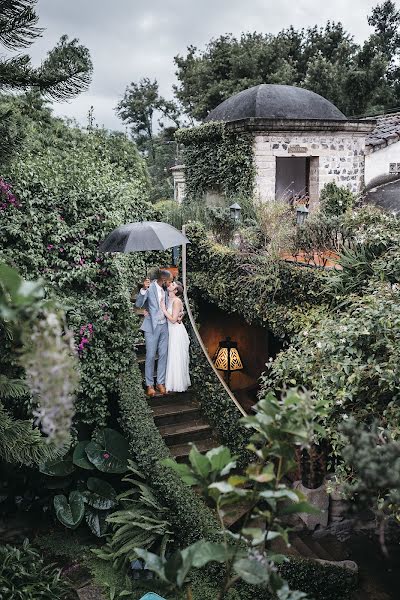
(177, 377)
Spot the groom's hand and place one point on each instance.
(180, 317)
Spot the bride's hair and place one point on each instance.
(179, 289)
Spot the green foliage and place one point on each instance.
(321, 582)
(71, 195)
(221, 224)
(373, 456)
(215, 403)
(322, 59)
(335, 200)
(277, 428)
(25, 576)
(189, 517)
(138, 108)
(24, 312)
(95, 497)
(62, 75)
(143, 521)
(216, 159)
(279, 295)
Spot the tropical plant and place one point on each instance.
(24, 575)
(94, 498)
(278, 427)
(143, 521)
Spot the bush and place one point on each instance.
(25, 576)
(335, 200)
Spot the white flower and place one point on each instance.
(345, 417)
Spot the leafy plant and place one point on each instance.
(25, 576)
(335, 200)
(108, 453)
(143, 521)
(277, 428)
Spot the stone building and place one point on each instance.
(301, 141)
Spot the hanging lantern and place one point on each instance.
(235, 211)
(227, 358)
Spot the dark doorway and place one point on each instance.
(292, 178)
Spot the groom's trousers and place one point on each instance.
(156, 342)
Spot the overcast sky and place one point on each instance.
(131, 39)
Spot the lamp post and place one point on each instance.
(227, 358)
(301, 214)
(235, 211)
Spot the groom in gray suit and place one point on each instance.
(155, 328)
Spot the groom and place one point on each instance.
(155, 329)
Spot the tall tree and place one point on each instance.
(152, 120)
(65, 72)
(323, 59)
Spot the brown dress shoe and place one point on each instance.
(161, 388)
(150, 391)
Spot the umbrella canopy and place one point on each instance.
(145, 235)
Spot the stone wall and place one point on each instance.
(335, 156)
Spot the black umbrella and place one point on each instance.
(145, 235)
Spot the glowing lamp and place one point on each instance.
(227, 358)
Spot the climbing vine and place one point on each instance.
(217, 159)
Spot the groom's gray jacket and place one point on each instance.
(149, 300)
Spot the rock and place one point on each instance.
(317, 498)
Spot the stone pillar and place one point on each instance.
(314, 182)
(178, 174)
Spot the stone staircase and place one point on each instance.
(179, 420)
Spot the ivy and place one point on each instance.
(218, 159)
(190, 518)
(270, 293)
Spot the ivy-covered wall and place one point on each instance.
(216, 159)
(276, 295)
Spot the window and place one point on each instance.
(394, 168)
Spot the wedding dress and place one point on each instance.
(177, 378)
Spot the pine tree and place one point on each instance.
(63, 74)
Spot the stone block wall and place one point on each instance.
(335, 156)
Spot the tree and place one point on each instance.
(62, 75)
(138, 109)
(325, 60)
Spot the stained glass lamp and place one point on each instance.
(227, 358)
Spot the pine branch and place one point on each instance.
(18, 21)
(12, 389)
(20, 443)
(65, 73)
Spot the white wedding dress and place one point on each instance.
(177, 378)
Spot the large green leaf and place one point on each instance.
(109, 452)
(101, 494)
(59, 468)
(200, 463)
(79, 457)
(96, 520)
(252, 571)
(70, 512)
(219, 457)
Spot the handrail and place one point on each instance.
(197, 334)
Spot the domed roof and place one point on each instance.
(268, 101)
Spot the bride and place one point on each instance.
(177, 376)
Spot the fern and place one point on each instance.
(142, 523)
(20, 443)
(12, 388)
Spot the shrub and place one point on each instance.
(25, 576)
(335, 200)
